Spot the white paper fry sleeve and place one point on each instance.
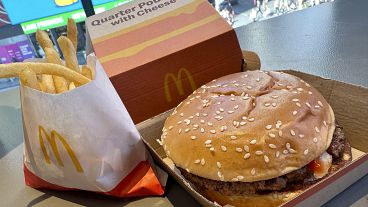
(82, 139)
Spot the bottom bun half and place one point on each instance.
(255, 200)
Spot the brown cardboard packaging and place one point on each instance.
(156, 52)
(350, 104)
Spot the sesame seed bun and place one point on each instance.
(262, 200)
(249, 126)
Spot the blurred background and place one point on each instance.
(20, 19)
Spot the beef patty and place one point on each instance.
(296, 180)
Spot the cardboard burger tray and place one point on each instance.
(350, 105)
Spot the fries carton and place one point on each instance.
(85, 139)
(156, 52)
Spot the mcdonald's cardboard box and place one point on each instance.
(352, 119)
(156, 52)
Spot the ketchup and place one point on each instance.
(315, 166)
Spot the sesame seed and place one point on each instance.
(223, 148)
(187, 121)
(294, 113)
(258, 152)
(246, 148)
(232, 137)
(208, 141)
(202, 121)
(245, 97)
(218, 112)
(320, 103)
(212, 149)
(266, 159)
(236, 106)
(267, 104)
(289, 87)
(191, 117)
(230, 112)
(317, 106)
(244, 118)
(223, 128)
(272, 135)
(193, 137)
(277, 154)
(208, 145)
(219, 118)
(268, 127)
(188, 102)
(203, 161)
(315, 139)
(280, 133)
(298, 104)
(253, 141)
(285, 152)
(236, 84)
(287, 145)
(239, 177)
(221, 109)
(307, 84)
(325, 123)
(238, 149)
(168, 152)
(254, 104)
(242, 123)
(179, 130)
(272, 146)
(246, 156)
(317, 130)
(278, 124)
(181, 114)
(258, 79)
(274, 104)
(300, 89)
(197, 114)
(295, 100)
(195, 125)
(213, 131)
(179, 122)
(274, 97)
(249, 87)
(251, 119)
(219, 174)
(292, 151)
(292, 132)
(306, 152)
(242, 94)
(233, 99)
(310, 92)
(218, 164)
(253, 171)
(308, 104)
(218, 103)
(209, 124)
(186, 130)
(301, 135)
(202, 130)
(244, 76)
(197, 161)
(204, 114)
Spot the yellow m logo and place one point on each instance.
(65, 2)
(178, 82)
(52, 141)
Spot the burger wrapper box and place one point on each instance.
(350, 105)
(156, 52)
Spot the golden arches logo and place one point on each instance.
(65, 2)
(52, 141)
(178, 82)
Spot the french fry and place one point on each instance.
(47, 83)
(14, 69)
(45, 42)
(87, 71)
(71, 86)
(72, 32)
(43, 39)
(70, 55)
(52, 56)
(28, 78)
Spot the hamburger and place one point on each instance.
(255, 138)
